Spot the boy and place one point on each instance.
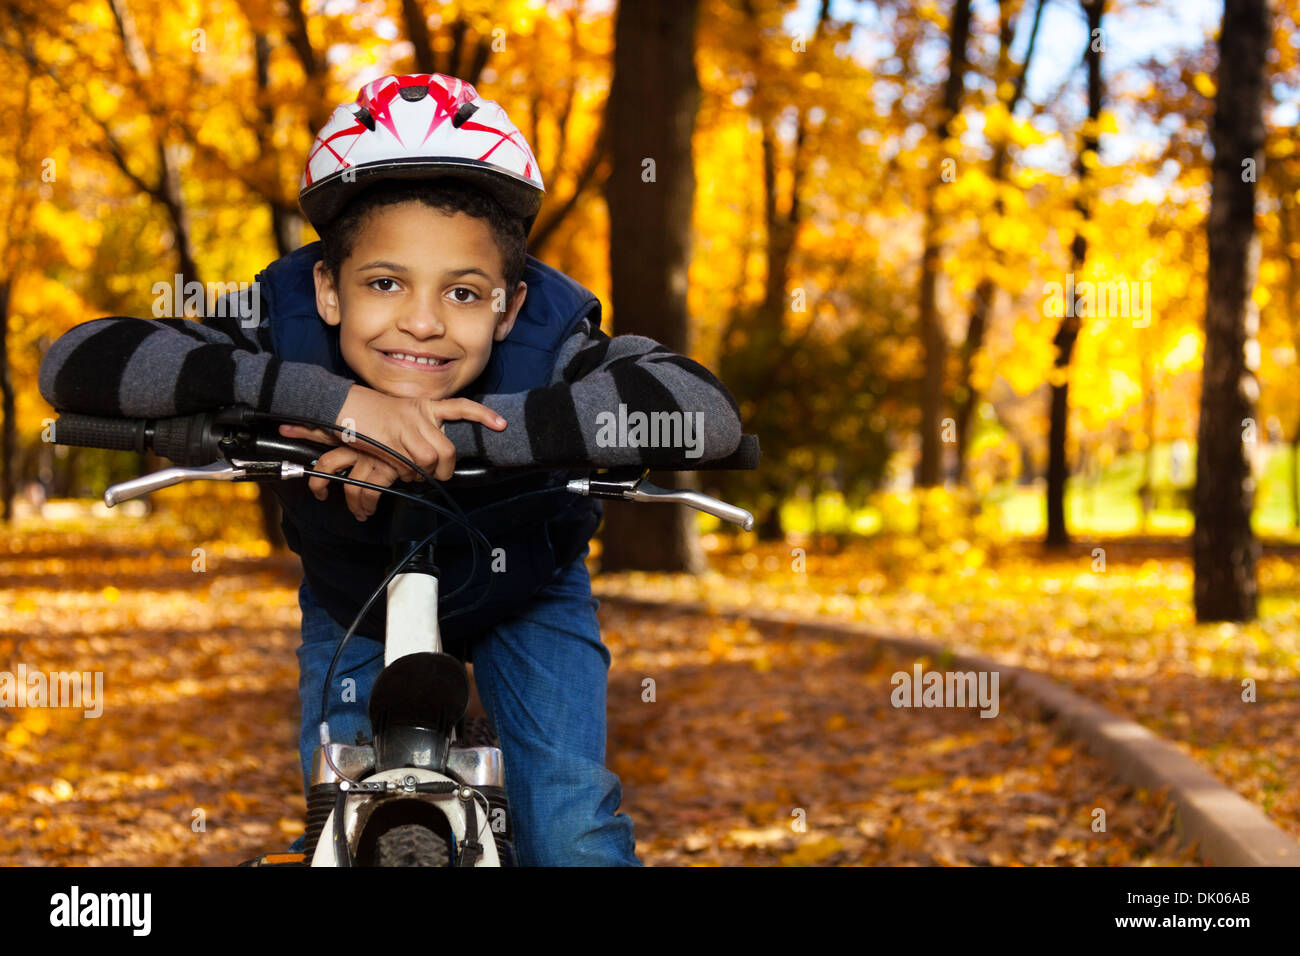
(419, 295)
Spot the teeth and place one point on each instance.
(422, 361)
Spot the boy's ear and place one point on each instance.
(327, 297)
(507, 320)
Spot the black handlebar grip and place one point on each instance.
(181, 439)
(93, 431)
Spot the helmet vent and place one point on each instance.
(366, 119)
(413, 94)
(465, 112)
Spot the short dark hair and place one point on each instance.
(446, 194)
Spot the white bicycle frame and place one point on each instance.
(412, 628)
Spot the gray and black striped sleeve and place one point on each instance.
(686, 415)
(148, 368)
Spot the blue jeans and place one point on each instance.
(541, 676)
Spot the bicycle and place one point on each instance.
(411, 797)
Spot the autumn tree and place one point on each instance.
(931, 328)
(1224, 546)
(651, 114)
(758, 354)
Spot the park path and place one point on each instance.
(764, 746)
(1121, 634)
(760, 747)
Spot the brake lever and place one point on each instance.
(638, 489)
(233, 470)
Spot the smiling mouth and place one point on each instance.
(411, 360)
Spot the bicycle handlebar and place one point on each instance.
(234, 444)
(205, 437)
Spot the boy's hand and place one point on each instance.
(410, 426)
(361, 501)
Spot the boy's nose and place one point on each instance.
(421, 323)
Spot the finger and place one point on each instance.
(431, 448)
(364, 501)
(311, 434)
(360, 499)
(465, 409)
(400, 469)
(353, 496)
(421, 447)
(403, 472)
(336, 458)
(380, 474)
(446, 463)
(332, 462)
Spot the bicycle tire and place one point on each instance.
(411, 844)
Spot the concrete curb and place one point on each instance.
(1232, 831)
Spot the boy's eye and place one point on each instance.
(373, 281)
(469, 297)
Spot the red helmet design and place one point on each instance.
(419, 126)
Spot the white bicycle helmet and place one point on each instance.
(419, 126)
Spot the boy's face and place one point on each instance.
(419, 284)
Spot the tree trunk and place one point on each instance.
(287, 224)
(1058, 469)
(932, 334)
(1224, 546)
(769, 527)
(651, 114)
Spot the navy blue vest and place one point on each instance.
(344, 560)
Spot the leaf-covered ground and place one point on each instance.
(756, 732)
(759, 748)
(1117, 627)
